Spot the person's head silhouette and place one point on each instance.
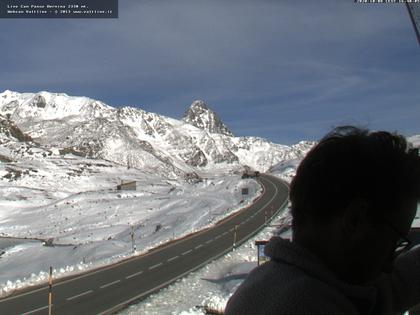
(354, 198)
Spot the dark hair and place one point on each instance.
(351, 163)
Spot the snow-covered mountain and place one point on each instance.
(200, 116)
(131, 136)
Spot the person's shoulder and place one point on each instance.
(284, 289)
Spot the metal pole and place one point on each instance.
(50, 293)
(265, 217)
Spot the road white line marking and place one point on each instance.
(224, 233)
(112, 267)
(109, 284)
(36, 310)
(155, 266)
(187, 252)
(134, 274)
(198, 246)
(172, 258)
(209, 241)
(217, 237)
(79, 295)
(141, 295)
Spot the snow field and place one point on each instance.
(73, 203)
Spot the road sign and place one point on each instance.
(262, 258)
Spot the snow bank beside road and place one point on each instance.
(212, 285)
(91, 228)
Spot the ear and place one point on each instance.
(355, 219)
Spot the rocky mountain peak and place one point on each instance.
(201, 116)
(199, 105)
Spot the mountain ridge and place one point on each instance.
(132, 136)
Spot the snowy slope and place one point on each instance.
(72, 203)
(55, 196)
(61, 158)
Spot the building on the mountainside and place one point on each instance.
(127, 185)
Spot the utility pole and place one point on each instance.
(50, 292)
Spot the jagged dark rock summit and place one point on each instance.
(39, 101)
(200, 116)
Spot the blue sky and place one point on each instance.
(278, 69)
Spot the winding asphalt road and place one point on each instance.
(106, 290)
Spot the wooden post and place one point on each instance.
(234, 236)
(258, 254)
(50, 293)
(133, 246)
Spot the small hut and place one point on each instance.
(127, 185)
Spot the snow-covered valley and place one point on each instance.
(86, 227)
(62, 159)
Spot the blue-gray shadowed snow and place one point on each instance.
(240, 276)
(237, 272)
(282, 70)
(6, 243)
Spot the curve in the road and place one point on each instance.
(109, 289)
